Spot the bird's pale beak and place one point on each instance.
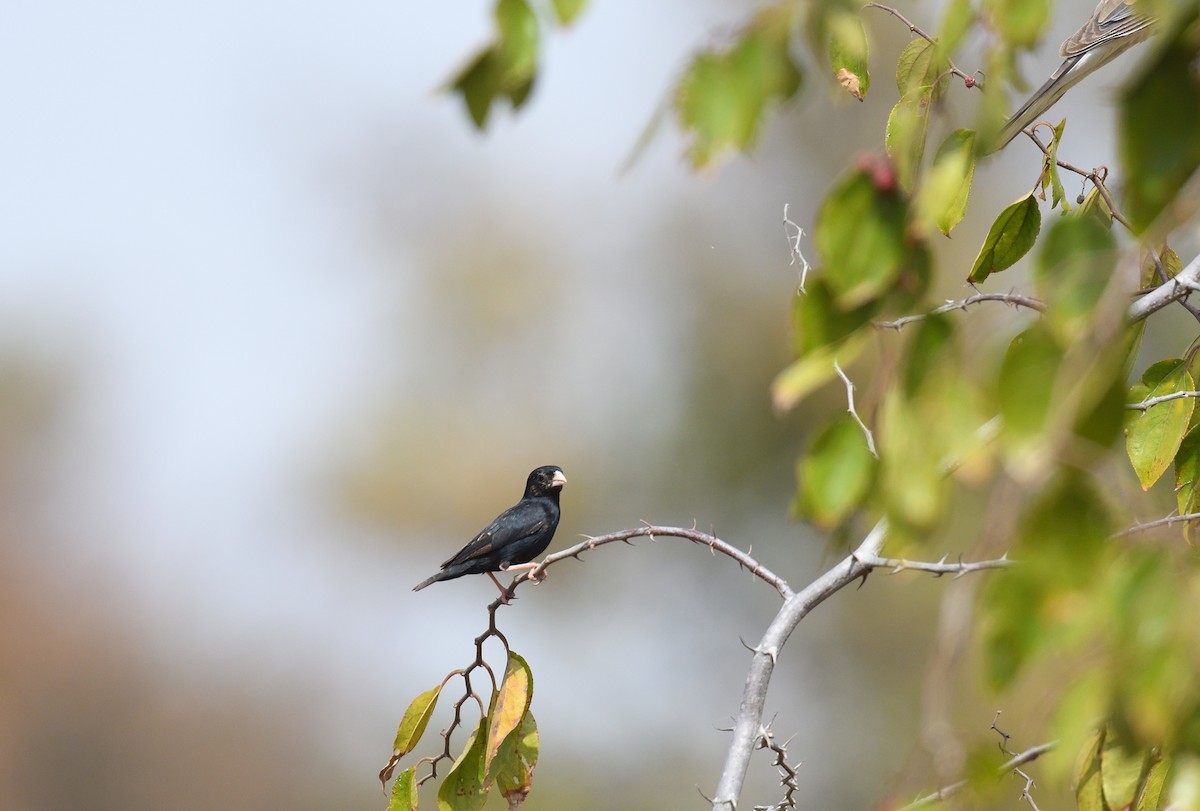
(559, 479)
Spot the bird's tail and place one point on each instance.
(430, 581)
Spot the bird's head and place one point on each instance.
(545, 480)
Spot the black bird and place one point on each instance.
(515, 537)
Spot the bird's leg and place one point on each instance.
(503, 590)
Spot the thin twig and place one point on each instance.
(939, 568)
(1161, 522)
(793, 240)
(1013, 299)
(968, 80)
(854, 412)
(1028, 755)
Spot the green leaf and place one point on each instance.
(1150, 796)
(567, 10)
(1093, 206)
(1050, 174)
(942, 199)
(848, 52)
(860, 234)
(1089, 792)
(506, 67)
(957, 21)
(904, 138)
(1075, 265)
(818, 321)
(813, 370)
(412, 727)
(1120, 773)
(1153, 437)
(1027, 378)
(1158, 119)
(932, 345)
(512, 768)
(404, 792)
(510, 704)
(835, 474)
(912, 483)
(1187, 472)
(1010, 238)
(724, 94)
(463, 788)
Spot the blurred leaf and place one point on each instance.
(1018, 22)
(1061, 537)
(505, 68)
(1027, 378)
(509, 706)
(848, 52)
(942, 199)
(1076, 262)
(818, 321)
(463, 787)
(904, 137)
(412, 727)
(1089, 790)
(568, 10)
(813, 370)
(1153, 437)
(723, 95)
(957, 20)
(1187, 472)
(1093, 206)
(1010, 238)
(1170, 266)
(1150, 796)
(860, 234)
(404, 792)
(913, 484)
(1159, 117)
(835, 474)
(512, 768)
(931, 345)
(1120, 773)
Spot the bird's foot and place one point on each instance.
(535, 577)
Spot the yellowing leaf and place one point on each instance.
(510, 704)
(404, 792)
(848, 53)
(1153, 437)
(512, 768)
(412, 727)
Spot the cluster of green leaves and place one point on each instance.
(501, 752)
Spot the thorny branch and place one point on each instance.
(1179, 287)
(1013, 299)
(787, 773)
(968, 80)
(1150, 402)
(1161, 522)
(748, 729)
(1004, 736)
(854, 412)
(794, 234)
(1031, 754)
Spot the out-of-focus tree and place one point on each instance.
(1034, 452)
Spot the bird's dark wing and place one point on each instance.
(1111, 20)
(520, 521)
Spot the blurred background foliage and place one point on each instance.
(280, 332)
